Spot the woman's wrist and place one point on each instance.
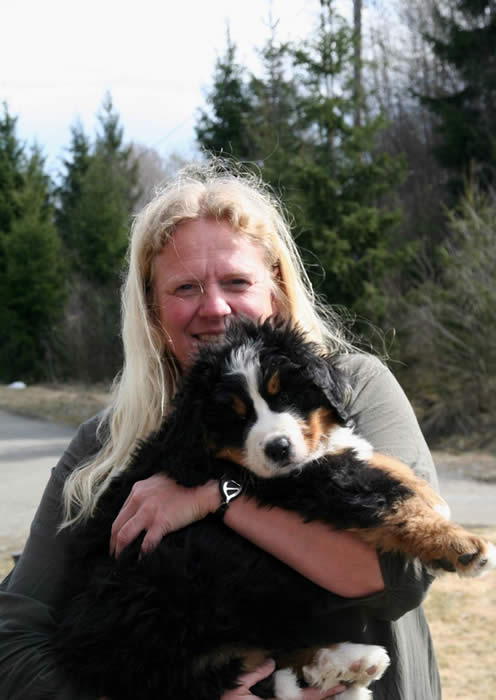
(211, 494)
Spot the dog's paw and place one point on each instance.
(356, 665)
(468, 556)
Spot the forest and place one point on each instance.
(380, 139)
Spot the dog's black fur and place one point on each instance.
(168, 624)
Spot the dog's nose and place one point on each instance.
(278, 448)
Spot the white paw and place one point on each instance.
(485, 563)
(286, 685)
(347, 663)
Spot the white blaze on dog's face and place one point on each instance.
(277, 422)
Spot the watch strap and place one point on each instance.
(229, 490)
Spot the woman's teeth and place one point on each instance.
(209, 337)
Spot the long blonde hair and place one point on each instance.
(149, 377)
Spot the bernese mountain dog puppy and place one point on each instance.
(261, 413)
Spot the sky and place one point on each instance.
(156, 57)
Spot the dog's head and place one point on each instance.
(265, 398)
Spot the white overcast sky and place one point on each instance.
(156, 57)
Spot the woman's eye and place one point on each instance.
(237, 283)
(187, 289)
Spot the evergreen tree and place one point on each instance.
(11, 178)
(465, 42)
(96, 199)
(33, 280)
(69, 191)
(11, 182)
(339, 178)
(274, 117)
(224, 128)
(100, 204)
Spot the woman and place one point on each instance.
(209, 246)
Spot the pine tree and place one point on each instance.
(465, 42)
(224, 128)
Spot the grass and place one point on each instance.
(68, 404)
(462, 618)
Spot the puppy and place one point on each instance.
(260, 412)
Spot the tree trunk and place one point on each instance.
(357, 74)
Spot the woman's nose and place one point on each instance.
(213, 303)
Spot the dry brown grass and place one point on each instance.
(462, 617)
(67, 404)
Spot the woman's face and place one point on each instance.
(203, 276)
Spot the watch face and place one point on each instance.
(230, 490)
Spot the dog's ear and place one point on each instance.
(324, 374)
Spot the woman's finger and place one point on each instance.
(125, 535)
(127, 512)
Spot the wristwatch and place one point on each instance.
(229, 490)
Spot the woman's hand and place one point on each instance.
(247, 680)
(160, 506)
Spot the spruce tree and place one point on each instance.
(223, 129)
(465, 42)
(33, 279)
(273, 120)
(11, 182)
(339, 178)
(100, 205)
(96, 200)
(69, 191)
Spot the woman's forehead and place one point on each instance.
(199, 244)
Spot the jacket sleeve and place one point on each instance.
(27, 665)
(383, 415)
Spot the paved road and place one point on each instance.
(29, 448)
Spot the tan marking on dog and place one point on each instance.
(274, 384)
(299, 658)
(403, 473)
(235, 454)
(318, 424)
(238, 405)
(415, 528)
